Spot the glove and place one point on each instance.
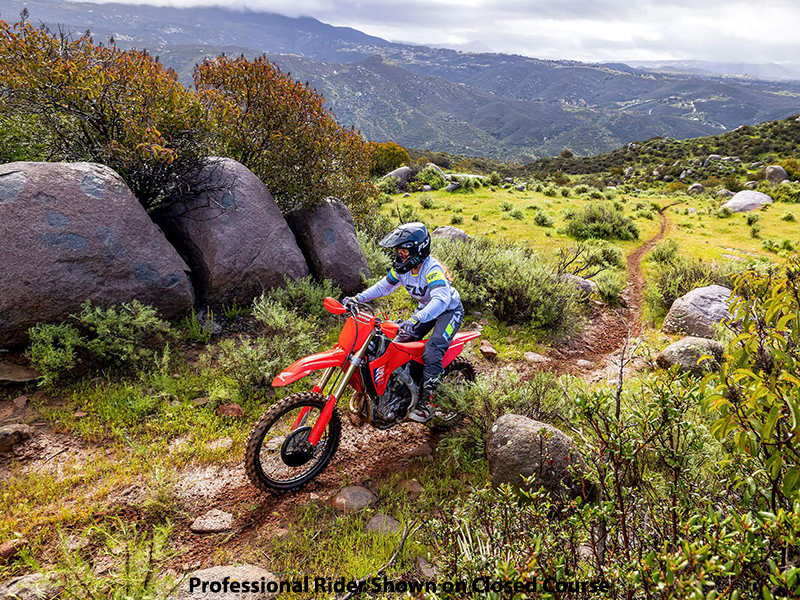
(348, 302)
(408, 328)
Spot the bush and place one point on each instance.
(542, 219)
(506, 206)
(517, 214)
(388, 186)
(300, 296)
(787, 216)
(387, 157)
(601, 221)
(426, 201)
(495, 179)
(54, 350)
(724, 212)
(664, 252)
(432, 177)
(502, 278)
(379, 260)
(456, 219)
(751, 219)
(610, 284)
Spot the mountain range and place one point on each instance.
(508, 107)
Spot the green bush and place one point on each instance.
(517, 214)
(542, 219)
(506, 206)
(302, 296)
(610, 285)
(751, 219)
(724, 212)
(54, 350)
(495, 179)
(388, 186)
(787, 216)
(664, 252)
(456, 219)
(432, 177)
(601, 221)
(426, 201)
(378, 259)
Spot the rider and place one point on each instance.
(439, 307)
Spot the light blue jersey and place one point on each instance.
(429, 287)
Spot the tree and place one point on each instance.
(388, 156)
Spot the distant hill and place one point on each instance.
(495, 105)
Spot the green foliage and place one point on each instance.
(724, 212)
(388, 186)
(502, 278)
(610, 284)
(378, 259)
(664, 252)
(787, 216)
(792, 168)
(754, 396)
(495, 179)
(542, 219)
(751, 219)
(517, 214)
(456, 219)
(195, 331)
(506, 206)
(54, 350)
(786, 192)
(601, 221)
(280, 129)
(432, 177)
(387, 156)
(426, 201)
(302, 296)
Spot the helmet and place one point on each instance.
(413, 237)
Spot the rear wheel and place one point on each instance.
(456, 376)
(279, 457)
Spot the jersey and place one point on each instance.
(430, 288)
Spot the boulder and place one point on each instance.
(751, 185)
(10, 548)
(585, 287)
(213, 521)
(711, 157)
(756, 165)
(776, 174)
(13, 435)
(518, 447)
(238, 582)
(233, 236)
(723, 193)
(452, 187)
(385, 524)
(698, 312)
(488, 350)
(520, 187)
(11, 374)
(448, 232)
(29, 587)
(686, 352)
(353, 498)
(696, 188)
(73, 232)
(402, 175)
(747, 200)
(533, 357)
(327, 237)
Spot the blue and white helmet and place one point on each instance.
(413, 237)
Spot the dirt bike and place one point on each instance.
(295, 439)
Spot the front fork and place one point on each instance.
(327, 411)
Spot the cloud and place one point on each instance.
(588, 30)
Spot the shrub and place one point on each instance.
(787, 216)
(506, 206)
(426, 201)
(751, 218)
(388, 186)
(550, 191)
(456, 219)
(664, 252)
(517, 214)
(495, 179)
(601, 221)
(413, 187)
(610, 284)
(378, 259)
(280, 129)
(54, 350)
(386, 157)
(542, 219)
(300, 296)
(432, 177)
(724, 212)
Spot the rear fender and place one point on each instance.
(457, 345)
(309, 364)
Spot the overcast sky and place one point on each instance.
(586, 30)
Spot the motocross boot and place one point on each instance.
(425, 407)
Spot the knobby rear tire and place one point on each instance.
(263, 462)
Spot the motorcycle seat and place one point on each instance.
(413, 348)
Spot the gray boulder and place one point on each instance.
(747, 200)
(29, 587)
(776, 174)
(518, 447)
(723, 193)
(73, 232)
(585, 287)
(698, 312)
(448, 232)
(686, 352)
(696, 188)
(402, 175)
(710, 158)
(751, 185)
(241, 581)
(233, 236)
(353, 498)
(327, 237)
(12, 435)
(452, 187)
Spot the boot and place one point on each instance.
(425, 407)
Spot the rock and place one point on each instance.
(696, 188)
(452, 187)
(353, 498)
(381, 523)
(10, 548)
(756, 165)
(29, 587)
(412, 487)
(202, 401)
(233, 236)
(403, 175)
(214, 521)
(509, 180)
(488, 350)
(518, 447)
(231, 410)
(75, 232)
(776, 174)
(686, 352)
(236, 576)
(327, 237)
(79, 414)
(751, 185)
(448, 232)
(427, 188)
(534, 358)
(747, 200)
(20, 402)
(520, 187)
(584, 364)
(698, 312)
(711, 157)
(11, 374)
(426, 568)
(585, 287)
(723, 193)
(421, 450)
(406, 195)
(13, 435)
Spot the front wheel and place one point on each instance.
(279, 457)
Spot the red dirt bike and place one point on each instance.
(296, 438)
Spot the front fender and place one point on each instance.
(304, 366)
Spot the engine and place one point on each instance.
(400, 395)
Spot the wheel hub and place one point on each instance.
(296, 449)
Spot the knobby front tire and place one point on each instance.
(265, 457)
